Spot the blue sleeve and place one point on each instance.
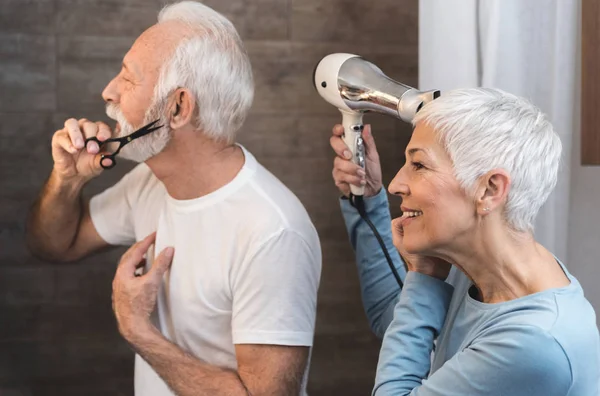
(503, 360)
(378, 286)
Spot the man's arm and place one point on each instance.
(59, 227)
(262, 369)
(505, 360)
(379, 288)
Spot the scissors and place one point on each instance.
(122, 142)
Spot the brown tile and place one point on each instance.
(335, 356)
(256, 19)
(283, 73)
(28, 73)
(27, 16)
(382, 21)
(81, 82)
(33, 361)
(92, 48)
(104, 18)
(26, 285)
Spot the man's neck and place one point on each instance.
(193, 166)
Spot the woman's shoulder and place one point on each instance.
(576, 330)
(555, 329)
(530, 351)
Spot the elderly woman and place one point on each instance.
(508, 317)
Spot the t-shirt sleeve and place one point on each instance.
(275, 292)
(111, 210)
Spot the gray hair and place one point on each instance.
(482, 129)
(213, 65)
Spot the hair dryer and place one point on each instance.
(356, 86)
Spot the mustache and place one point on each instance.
(114, 112)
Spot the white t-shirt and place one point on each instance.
(246, 267)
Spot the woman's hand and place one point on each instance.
(345, 172)
(431, 266)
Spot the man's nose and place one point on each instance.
(111, 92)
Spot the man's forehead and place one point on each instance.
(156, 44)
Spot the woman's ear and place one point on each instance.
(492, 191)
(181, 110)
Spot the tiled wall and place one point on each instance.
(57, 332)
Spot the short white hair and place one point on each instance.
(213, 65)
(483, 129)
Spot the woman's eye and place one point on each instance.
(417, 165)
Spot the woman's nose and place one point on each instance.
(398, 185)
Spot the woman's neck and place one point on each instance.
(505, 265)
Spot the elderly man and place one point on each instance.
(238, 262)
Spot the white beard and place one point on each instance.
(145, 147)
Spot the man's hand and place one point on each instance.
(72, 160)
(431, 266)
(134, 297)
(345, 172)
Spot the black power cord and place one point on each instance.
(358, 202)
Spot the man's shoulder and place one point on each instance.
(269, 196)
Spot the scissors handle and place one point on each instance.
(111, 157)
(93, 139)
(151, 127)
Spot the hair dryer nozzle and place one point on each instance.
(355, 85)
(413, 100)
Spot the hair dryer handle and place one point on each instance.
(353, 127)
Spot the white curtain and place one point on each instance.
(526, 47)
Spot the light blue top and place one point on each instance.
(544, 344)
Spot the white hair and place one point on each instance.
(213, 65)
(483, 129)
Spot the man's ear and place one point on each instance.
(492, 191)
(181, 109)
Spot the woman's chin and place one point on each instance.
(414, 245)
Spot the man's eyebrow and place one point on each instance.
(128, 69)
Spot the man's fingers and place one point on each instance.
(161, 263)
(104, 131)
(72, 127)
(136, 252)
(61, 139)
(90, 129)
(140, 248)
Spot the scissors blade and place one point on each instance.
(143, 131)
